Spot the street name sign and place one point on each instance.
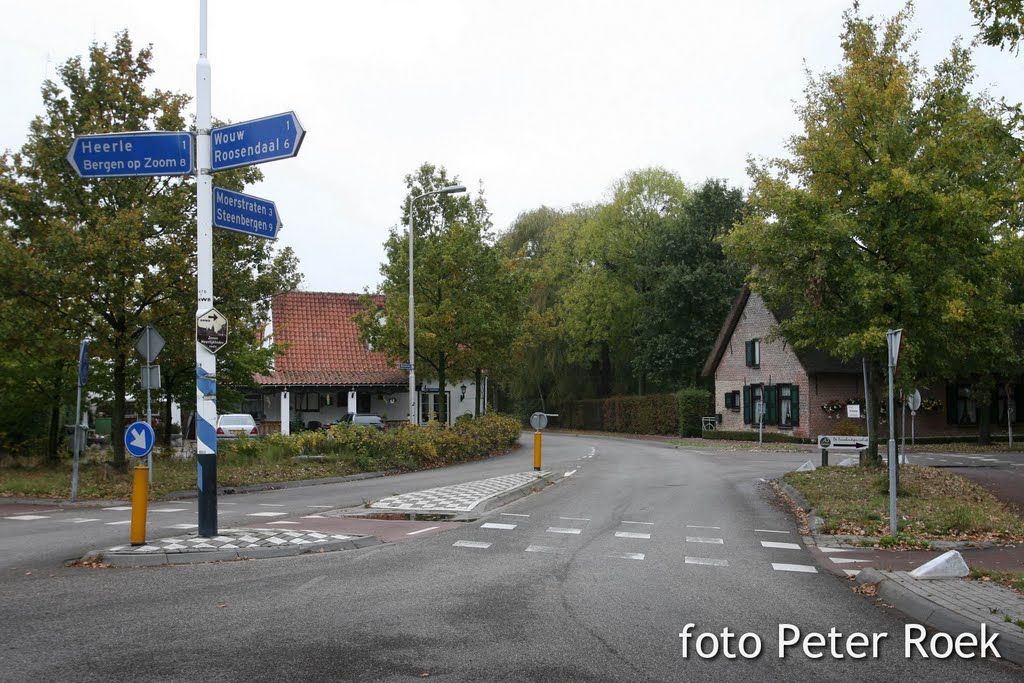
(139, 153)
(245, 214)
(139, 439)
(405, 366)
(852, 443)
(256, 142)
(212, 330)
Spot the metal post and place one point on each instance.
(413, 414)
(140, 498)
(536, 450)
(824, 457)
(893, 531)
(206, 362)
(149, 402)
(903, 432)
(78, 445)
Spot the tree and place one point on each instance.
(691, 287)
(896, 209)
(468, 297)
(605, 281)
(1000, 22)
(101, 258)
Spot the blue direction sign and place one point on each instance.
(83, 363)
(257, 141)
(245, 213)
(142, 153)
(139, 439)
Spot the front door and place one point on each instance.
(430, 406)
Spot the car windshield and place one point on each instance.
(367, 419)
(236, 420)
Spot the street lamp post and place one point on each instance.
(451, 189)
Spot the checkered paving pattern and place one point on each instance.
(459, 498)
(232, 539)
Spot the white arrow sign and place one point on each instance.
(138, 438)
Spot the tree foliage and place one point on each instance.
(1000, 22)
(101, 258)
(896, 209)
(468, 297)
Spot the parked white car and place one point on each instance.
(233, 425)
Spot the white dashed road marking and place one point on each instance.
(771, 531)
(576, 519)
(541, 549)
(420, 531)
(282, 521)
(267, 514)
(630, 534)
(845, 560)
(628, 556)
(701, 539)
(837, 550)
(562, 530)
(26, 518)
(183, 526)
(326, 507)
(81, 520)
(648, 523)
(127, 521)
(714, 562)
(168, 509)
(784, 546)
(698, 526)
(471, 544)
(512, 514)
(806, 569)
(492, 525)
(570, 473)
(120, 508)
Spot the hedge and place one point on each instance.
(401, 448)
(673, 414)
(773, 437)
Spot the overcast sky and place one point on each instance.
(544, 103)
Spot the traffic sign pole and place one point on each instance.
(206, 362)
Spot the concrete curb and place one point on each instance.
(503, 499)
(927, 613)
(845, 540)
(163, 558)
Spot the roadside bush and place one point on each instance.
(402, 448)
(651, 414)
(693, 404)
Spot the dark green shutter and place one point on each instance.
(747, 410)
(794, 398)
(750, 353)
(771, 405)
(728, 399)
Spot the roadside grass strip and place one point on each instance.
(703, 539)
(471, 544)
(781, 546)
(933, 503)
(710, 561)
(802, 568)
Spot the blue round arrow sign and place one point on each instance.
(139, 439)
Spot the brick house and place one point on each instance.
(805, 393)
(326, 372)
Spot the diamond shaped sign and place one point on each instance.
(149, 344)
(212, 330)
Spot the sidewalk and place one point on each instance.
(955, 606)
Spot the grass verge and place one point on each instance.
(931, 504)
(1012, 580)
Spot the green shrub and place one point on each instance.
(651, 414)
(693, 404)
(769, 437)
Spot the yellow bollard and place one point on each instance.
(140, 498)
(536, 451)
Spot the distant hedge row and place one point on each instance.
(675, 414)
(403, 448)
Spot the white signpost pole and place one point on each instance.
(206, 362)
(893, 348)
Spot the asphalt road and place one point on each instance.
(592, 579)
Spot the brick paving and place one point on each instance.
(974, 602)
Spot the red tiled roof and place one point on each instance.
(322, 343)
